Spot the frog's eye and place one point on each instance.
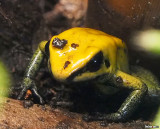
(95, 63)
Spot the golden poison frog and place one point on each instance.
(83, 54)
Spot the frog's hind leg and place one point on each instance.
(138, 91)
(153, 85)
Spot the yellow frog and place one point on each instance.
(82, 54)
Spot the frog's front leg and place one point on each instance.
(33, 67)
(138, 90)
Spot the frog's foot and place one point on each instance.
(116, 117)
(37, 95)
(59, 101)
(34, 91)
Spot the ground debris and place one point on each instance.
(14, 115)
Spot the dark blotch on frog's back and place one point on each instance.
(74, 45)
(59, 43)
(66, 64)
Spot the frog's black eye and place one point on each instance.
(95, 63)
(92, 66)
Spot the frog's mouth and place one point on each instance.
(83, 75)
(76, 74)
(76, 77)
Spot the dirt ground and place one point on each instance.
(23, 25)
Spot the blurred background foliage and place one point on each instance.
(147, 41)
(5, 80)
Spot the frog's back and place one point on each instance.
(112, 47)
(90, 37)
(88, 43)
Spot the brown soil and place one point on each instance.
(14, 116)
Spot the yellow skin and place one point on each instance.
(82, 54)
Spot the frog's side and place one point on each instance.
(82, 54)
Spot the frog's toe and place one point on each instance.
(27, 103)
(38, 96)
(25, 95)
(116, 117)
(22, 94)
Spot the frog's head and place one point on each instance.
(80, 56)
